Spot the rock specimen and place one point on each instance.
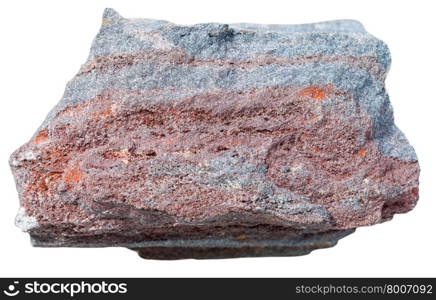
(214, 140)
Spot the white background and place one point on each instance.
(43, 44)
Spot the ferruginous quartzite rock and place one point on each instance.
(215, 141)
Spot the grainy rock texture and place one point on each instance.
(215, 140)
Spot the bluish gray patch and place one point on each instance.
(394, 143)
(342, 37)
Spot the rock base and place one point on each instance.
(243, 242)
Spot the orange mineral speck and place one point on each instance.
(241, 237)
(43, 186)
(104, 113)
(41, 137)
(415, 191)
(314, 92)
(362, 152)
(73, 175)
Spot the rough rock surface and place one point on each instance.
(217, 140)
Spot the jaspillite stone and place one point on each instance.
(213, 140)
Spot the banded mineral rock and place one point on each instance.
(212, 141)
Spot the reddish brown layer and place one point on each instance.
(110, 63)
(105, 162)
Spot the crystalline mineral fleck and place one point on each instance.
(212, 141)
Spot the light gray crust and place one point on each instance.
(338, 26)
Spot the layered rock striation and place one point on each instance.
(212, 140)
